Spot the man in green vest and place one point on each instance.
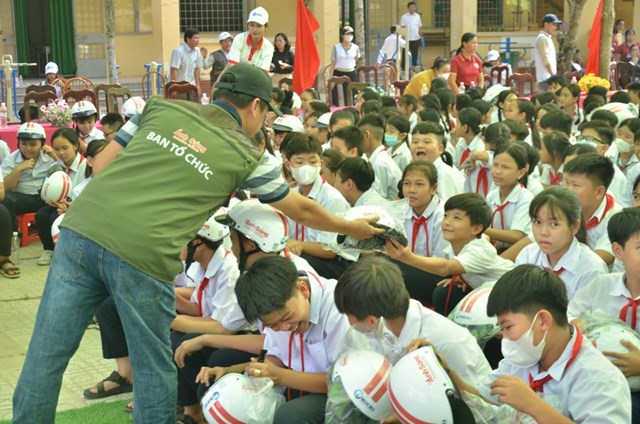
(169, 168)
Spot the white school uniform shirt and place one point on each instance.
(632, 174)
(4, 150)
(329, 198)
(95, 134)
(608, 293)
(371, 198)
(76, 170)
(218, 296)
(402, 156)
(534, 185)
(433, 215)
(240, 52)
(322, 342)
(515, 215)
(597, 237)
(462, 145)
(618, 188)
(573, 386)
(234, 320)
(615, 158)
(30, 180)
(548, 173)
(480, 260)
(571, 266)
(413, 121)
(387, 173)
(450, 180)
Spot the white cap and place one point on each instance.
(51, 68)
(347, 29)
(288, 123)
(224, 35)
(493, 55)
(259, 15)
(323, 120)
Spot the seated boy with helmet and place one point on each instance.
(547, 361)
(85, 115)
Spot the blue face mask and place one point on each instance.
(390, 140)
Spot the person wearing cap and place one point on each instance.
(251, 46)
(320, 130)
(545, 51)
(282, 126)
(51, 74)
(282, 60)
(218, 60)
(344, 58)
(411, 19)
(24, 171)
(151, 201)
(186, 59)
(494, 60)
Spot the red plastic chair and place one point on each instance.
(27, 227)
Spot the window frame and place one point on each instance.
(136, 21)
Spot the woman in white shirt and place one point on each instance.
(344, 57)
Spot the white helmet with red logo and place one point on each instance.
(471, 313)
(212, 229)
(421, 391)
(606, 338)
(260, 223)
(288, 123)
(31, 131)
(82, 109)
(132, 106)
(56, 187)
(364, 376)
(55, 228)
(225, 401)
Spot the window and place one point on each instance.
(543, 7)
(133, 16)
(212, 16)
(490, 15)
(441, 13)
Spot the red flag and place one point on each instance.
(307, 59)
(593, 62)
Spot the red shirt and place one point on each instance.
(466, 70)
(624, 50)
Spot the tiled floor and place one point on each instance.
(19, 301)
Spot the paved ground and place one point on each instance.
(19, 300)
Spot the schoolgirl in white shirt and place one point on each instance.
(509, 201)
(396, 138)
(624, 156)
(556, 225)
(469, 140)
(522, 110)
(428, 143)
(568, 99)
(553, 150)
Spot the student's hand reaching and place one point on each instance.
(186, 348)
(208, 376)
(295, 247)
(395, 250)
(628, 363)
(516, 393)
(264, 369)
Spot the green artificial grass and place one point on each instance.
(100, 413)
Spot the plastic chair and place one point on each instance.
(27, 227)
(40, 99)
(518, 81)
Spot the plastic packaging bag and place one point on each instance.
(391, 216)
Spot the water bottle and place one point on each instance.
(574, 80)
(3, 116)
(424, 91)
(473, 84)
(461, 89)
(20, 81)
(204, 99)
(15, 248)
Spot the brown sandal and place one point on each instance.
(11, 271)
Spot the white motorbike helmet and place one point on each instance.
(421, 391)
(31, 131)
(364, 376)
(606, 338)
(224, 402)
(213, 230)
(287, 123)
(56, 187)
(82, 109)
(132, 106)
(471, 313)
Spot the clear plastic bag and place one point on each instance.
(488, 413)
(391, 219)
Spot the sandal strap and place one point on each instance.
(118, 379)
(8, 261)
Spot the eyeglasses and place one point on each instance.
(109, 133)
(588, 139)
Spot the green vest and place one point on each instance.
(182, 163)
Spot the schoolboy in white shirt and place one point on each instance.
(304, 335)
(547, 358)
(304, 161)
(354, 180)
(387, 172)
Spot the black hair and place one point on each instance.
(474, 92)
(533, 155)
(341, 114)
(501, 98)
(411, 3)
(466, 37)
(482, 106)
(599, 90)
(580, 149)
(474, 206)
(319, 107)
(371, 106)
(496, 130)
(359, 171)
(277, 94)
(314, 93)
(430, 101)
(519, 155)
(605, 115)
(529, 110)
(470, 117)
(557, 79)
(557, 144)
(527, 289)
(517, 129)
(439, 62)
(591, 103)
(427, 168)
(368, 94)
(372, 122)
(632, 123)
(399, 122)
(546, 98)
(287, 46)
(68, 134)
(447, 100)
(300, 143)
(620, 97)
(93, 148)
(388, 101)
(604, 130)
(560, 199)
(633, 87)
(372, 286)
(463, 101)
(430, 115)
(598, 169)
(189, 33)
(408, 100)
(352, 137)
(113, 120)
(557, 121)
(436, 129)
(439, 84)
(266, 286)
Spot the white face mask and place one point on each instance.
(444, 76)
(348, 38)
(522, 353)
(622, 146)
(306, 174)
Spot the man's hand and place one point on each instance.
(628, 363)
(361, 229)
(186, 348)
(264, 369)
(516, 393)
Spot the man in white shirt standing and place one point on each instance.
(413, 22)
(186, 59)
(391, 48)
(545, 51)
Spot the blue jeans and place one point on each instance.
(81, 276)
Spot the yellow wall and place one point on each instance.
(624, 10)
